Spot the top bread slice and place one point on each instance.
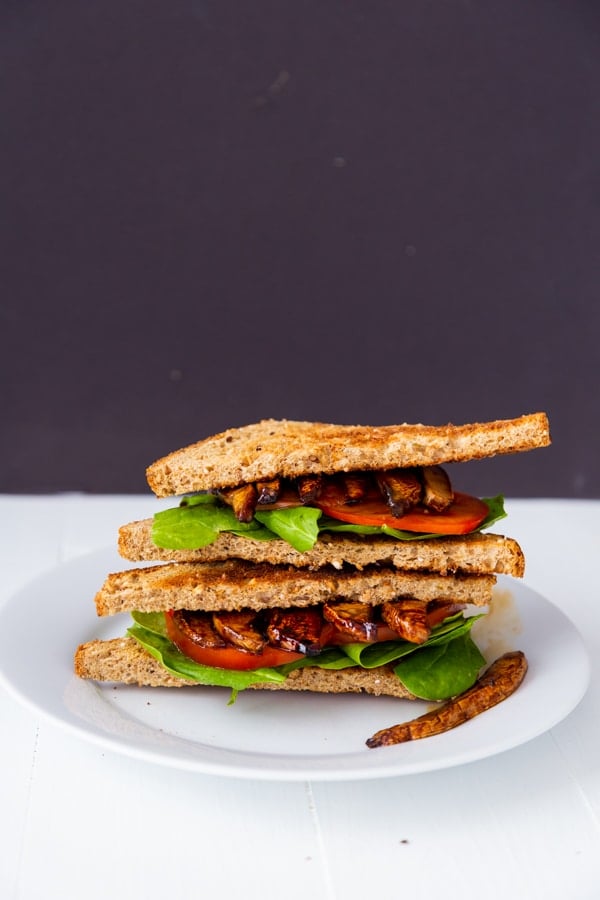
(289, 449)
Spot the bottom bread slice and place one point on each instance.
(124, 661)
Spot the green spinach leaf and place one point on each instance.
(442, 670)
(200, 518)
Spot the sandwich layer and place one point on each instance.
(234, 585)
(124, 661)
(474, 553)
(289, 449)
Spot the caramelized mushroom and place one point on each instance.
(408, 618)
(401, 489)
(237, 628)
(309, 487)
(352, 618)
(268, 491)
(198, 627)
(437, 490)
(296, 629)
(356, 486)
(242, 500)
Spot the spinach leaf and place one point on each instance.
(369, 656)
(442, 670)
(200, 518)
(298, 525)
(197, 524)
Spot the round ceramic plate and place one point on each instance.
(270, 735)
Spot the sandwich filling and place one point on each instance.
(404, 504)
(428, 644)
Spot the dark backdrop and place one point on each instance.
(351, 211)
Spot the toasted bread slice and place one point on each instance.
(124, 661)
(235, 584)
(476, 553)
(289, 449)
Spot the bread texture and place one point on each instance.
(289, 449)
(473, 553)
(235, 584)
(124, 661)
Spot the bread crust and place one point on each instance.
(235, 584)
(124, 661)
(475, 553)
(286, 448)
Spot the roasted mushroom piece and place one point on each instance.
(309, 487)
(408, 618)
(401, 489)
(242, 500)
(198, 627)
(237, 628)
(355, 619)
(356, 486)
(298, 630)
(268, 491)
(437, 490)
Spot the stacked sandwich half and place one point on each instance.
(304, 556)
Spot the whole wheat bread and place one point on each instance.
(289, 449)
(235, 584)
(476, 553)
(124, 661)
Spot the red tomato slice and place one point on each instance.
(227, 657)
(464, 515)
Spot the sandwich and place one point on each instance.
(313, 557)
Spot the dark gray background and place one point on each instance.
(355, 211)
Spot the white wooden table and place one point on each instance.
(80, 821)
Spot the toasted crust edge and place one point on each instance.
(288, 448)
(124, 661)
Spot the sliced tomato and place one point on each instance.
(227, 657)
(230, 657)
(464, 515)
(439, 610)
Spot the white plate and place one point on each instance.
(270, 735)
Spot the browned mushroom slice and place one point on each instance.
(198, 627)
(437, 490)
(237, 628)
(401, 489)
(495, 685)
(352, 618)
(242, 500)
(296, 629)
(309, 487)
(408, 618)
(268, 491)
(355, 486)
